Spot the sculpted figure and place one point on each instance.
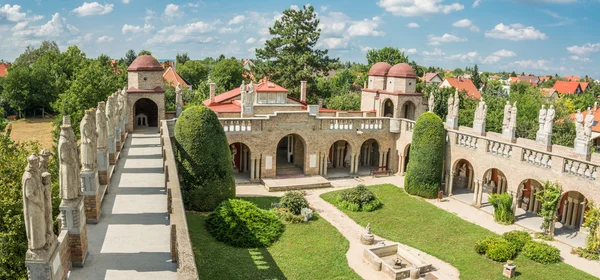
(589, 123)
(450, 107)
(125, 108)
(251, 87)
(456, 105)
(506, 120)
(47, 186)
(88, 137)
(101, 126)
(368, 228)
(579, 126)
(463, 170)
(117, 112)
(243, 87)
(513, 116)
(481, 111)
(233, 153)
(542, 118)
(110, 113)
(70, 185)
(178, 96)
(549, 121)
(33, 205)
(431, 102)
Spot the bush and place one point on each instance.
(286, 215)
(541, 252)
(358, 199)
(517, 238)
(503, 212)
(295, 201)
(482, 245)
(424, 171)
(582, 252)
(204, 159)
(495, 248)
(241, 223)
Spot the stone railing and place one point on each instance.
(341, 124)
(581, 169)
(537, 158)
(409, 125)
(466, 140)
(371, 124)
(239, 125)
(499, 148)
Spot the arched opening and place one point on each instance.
(406, 158)
(494, 181)
(388, 108)
(527, 203)
(596, 144)
(409, 110)
(290, 156)
(571, 210)
(241, 162)
(339, 160)
(145, 113)
(463, 185)
(369, 156)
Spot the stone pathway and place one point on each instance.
(132, 239)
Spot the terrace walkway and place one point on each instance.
(131, 241)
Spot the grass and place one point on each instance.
(305, 251)
(37, 129)
(421, 225)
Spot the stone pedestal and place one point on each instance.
(367, 239)
(479, 127)
(123, 133)
(73, 220)
(112, 151)
(45, 264)
(544, 139)
(452, 123)
(91, 187)
(582, 147)
(509, 134)
(509, 270)
(118, 139)
(178, 111)
(103, 167)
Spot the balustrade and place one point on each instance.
(467, 141)
(341, 124)
(371, 124)
(537, 158)
(237, 125)
(581, 169)
(410, 125)
(499, 148)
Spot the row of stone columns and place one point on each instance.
(572, 214)
(244, 159)
(478, 193)
(254, 168)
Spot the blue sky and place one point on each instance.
(536, 36)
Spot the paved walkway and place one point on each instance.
(132, 239)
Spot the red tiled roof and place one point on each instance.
(232, 107)
(145, 63)
(171, 77)
(380, 69)
(596, 127)
(566, 87)
(583, 86)
(548, 92)
(4, 69)
(429, 76)
(573, 78)
(261, 87)
(466, 85)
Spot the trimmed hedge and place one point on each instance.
(495, 248)
(358, 199)
(203, 158)
(541, 252)
(294, 201)
(517, 238)
(240, 223)
(424, 171)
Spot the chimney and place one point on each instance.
(212, 92)
(320, 103)
(303, 91)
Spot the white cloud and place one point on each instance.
(586, 49)
(79, 40)
(334, 24)
(409, 51)
(136, 29)
(446, 38)
(476, 3)
(470, 56)
(497, 56)
(539, 64)
(413, 25)
(56, 27)
(191, 32)
(250, 40)
(224, 30)
(367, 27)
(337, 29)
(105, 39)
(20, 26)
(12, 13)
(334, 42)
(294, 7)
(93, 8)
(237, 19)
(408, 8)
(125, 1)
(324, 8)
(193, 5)
(466, 23)
(365, 49)
(579, 58)
(504, 53)
(515, 32)
(173, 11)
(435, 52)
(491, 59)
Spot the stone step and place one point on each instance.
(300, 183)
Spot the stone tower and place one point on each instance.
(145, 93)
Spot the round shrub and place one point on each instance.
(295, 201)
(203, 159)
(424, 171)
(541, 252)
(358, 199)
(241, 223)
(501, 250)
(482, 245)
(517, 238)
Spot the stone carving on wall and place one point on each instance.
(88, 141)
(101, 130)
(70, 185)
(110, 113)
(34, 208)
(431, 103)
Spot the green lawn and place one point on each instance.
(305, 251)
(419, 224)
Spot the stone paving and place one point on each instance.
(131, 241)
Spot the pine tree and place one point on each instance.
(475, 77)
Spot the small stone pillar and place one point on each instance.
(479, 127)
(73, 219)
(367, 238)
(509, 270)
(102, 147)
(110, 130)
(452, 122)
(118, 138)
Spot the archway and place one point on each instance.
(596, 143)
(290, 156)
(527, 203)
(339, 160)
(571, 209)
(145, 113)
(406, 158)
(369, 156)
(409, 110)
(463, 185)
(241, 162)
(494, 181)
(388, 108)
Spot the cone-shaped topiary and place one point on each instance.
(240, 223)
(203, 158)
(424, 172)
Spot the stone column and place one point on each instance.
(573, 223)
(385, 159)
(531, 199)
(356, 164)
(582, 214)
(564, 212)
(470, 178)
(401, 165)
(380, 159)
(536, 206)
(476, 194)
(325, 167)
(569, 212)
(352, 164)
(514, 204)
(368, 163)
(451, 183)
(252, 166)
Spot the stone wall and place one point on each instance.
(78, 246)
(64, 251)
(153, 79)
(158, 98)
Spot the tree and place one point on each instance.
(144, 52)
(475, 77)
(592, 222)
(129, 57)
(441, 99)
(290, 56)
(193, 71)
(181, 59)
(204, 159)
(346, 102)
(424, 172)
(548, 198)
(31, 53)
(513, 74)
(227, 74)
(467, 107)
(390, 55)
(458, 72)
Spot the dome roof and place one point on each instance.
(380, 69)
(401, 70)
(145, 63)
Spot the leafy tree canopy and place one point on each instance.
(390, 55)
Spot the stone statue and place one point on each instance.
(233, 153)
(34, 209)
(481, 111)
(243, 87)
(542, 118)
(251, 87)
(116, 112)
(513, 117)
(70, 185)
(456, 105)
(348, 158)
(178, 96)
(463, 170)
(431, 103)
(110, 113)
(579, 126)
(589, 123)
(450, 107)
(101, 126)
(88, 139)
(47, 186)
(549, 121)
(506, 120)
(367, 238)
(125, 108)
(368, 228)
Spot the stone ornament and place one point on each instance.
(431, 102)
(110, 113)
(506, 120)
(178, 96)
(579, 126)
(542, 118)
(481, 111)
(513, 117)
(101, 130)
(70, 185)
(44, 158)
(88, 141)
(116, 112)
(251, 87)
(589, 123)
(450, 107)
(34, 206)
(549, 121)
(125, 105)
(367, 238)
(120, 109)
(456, 105)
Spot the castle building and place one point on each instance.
(145, 93)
